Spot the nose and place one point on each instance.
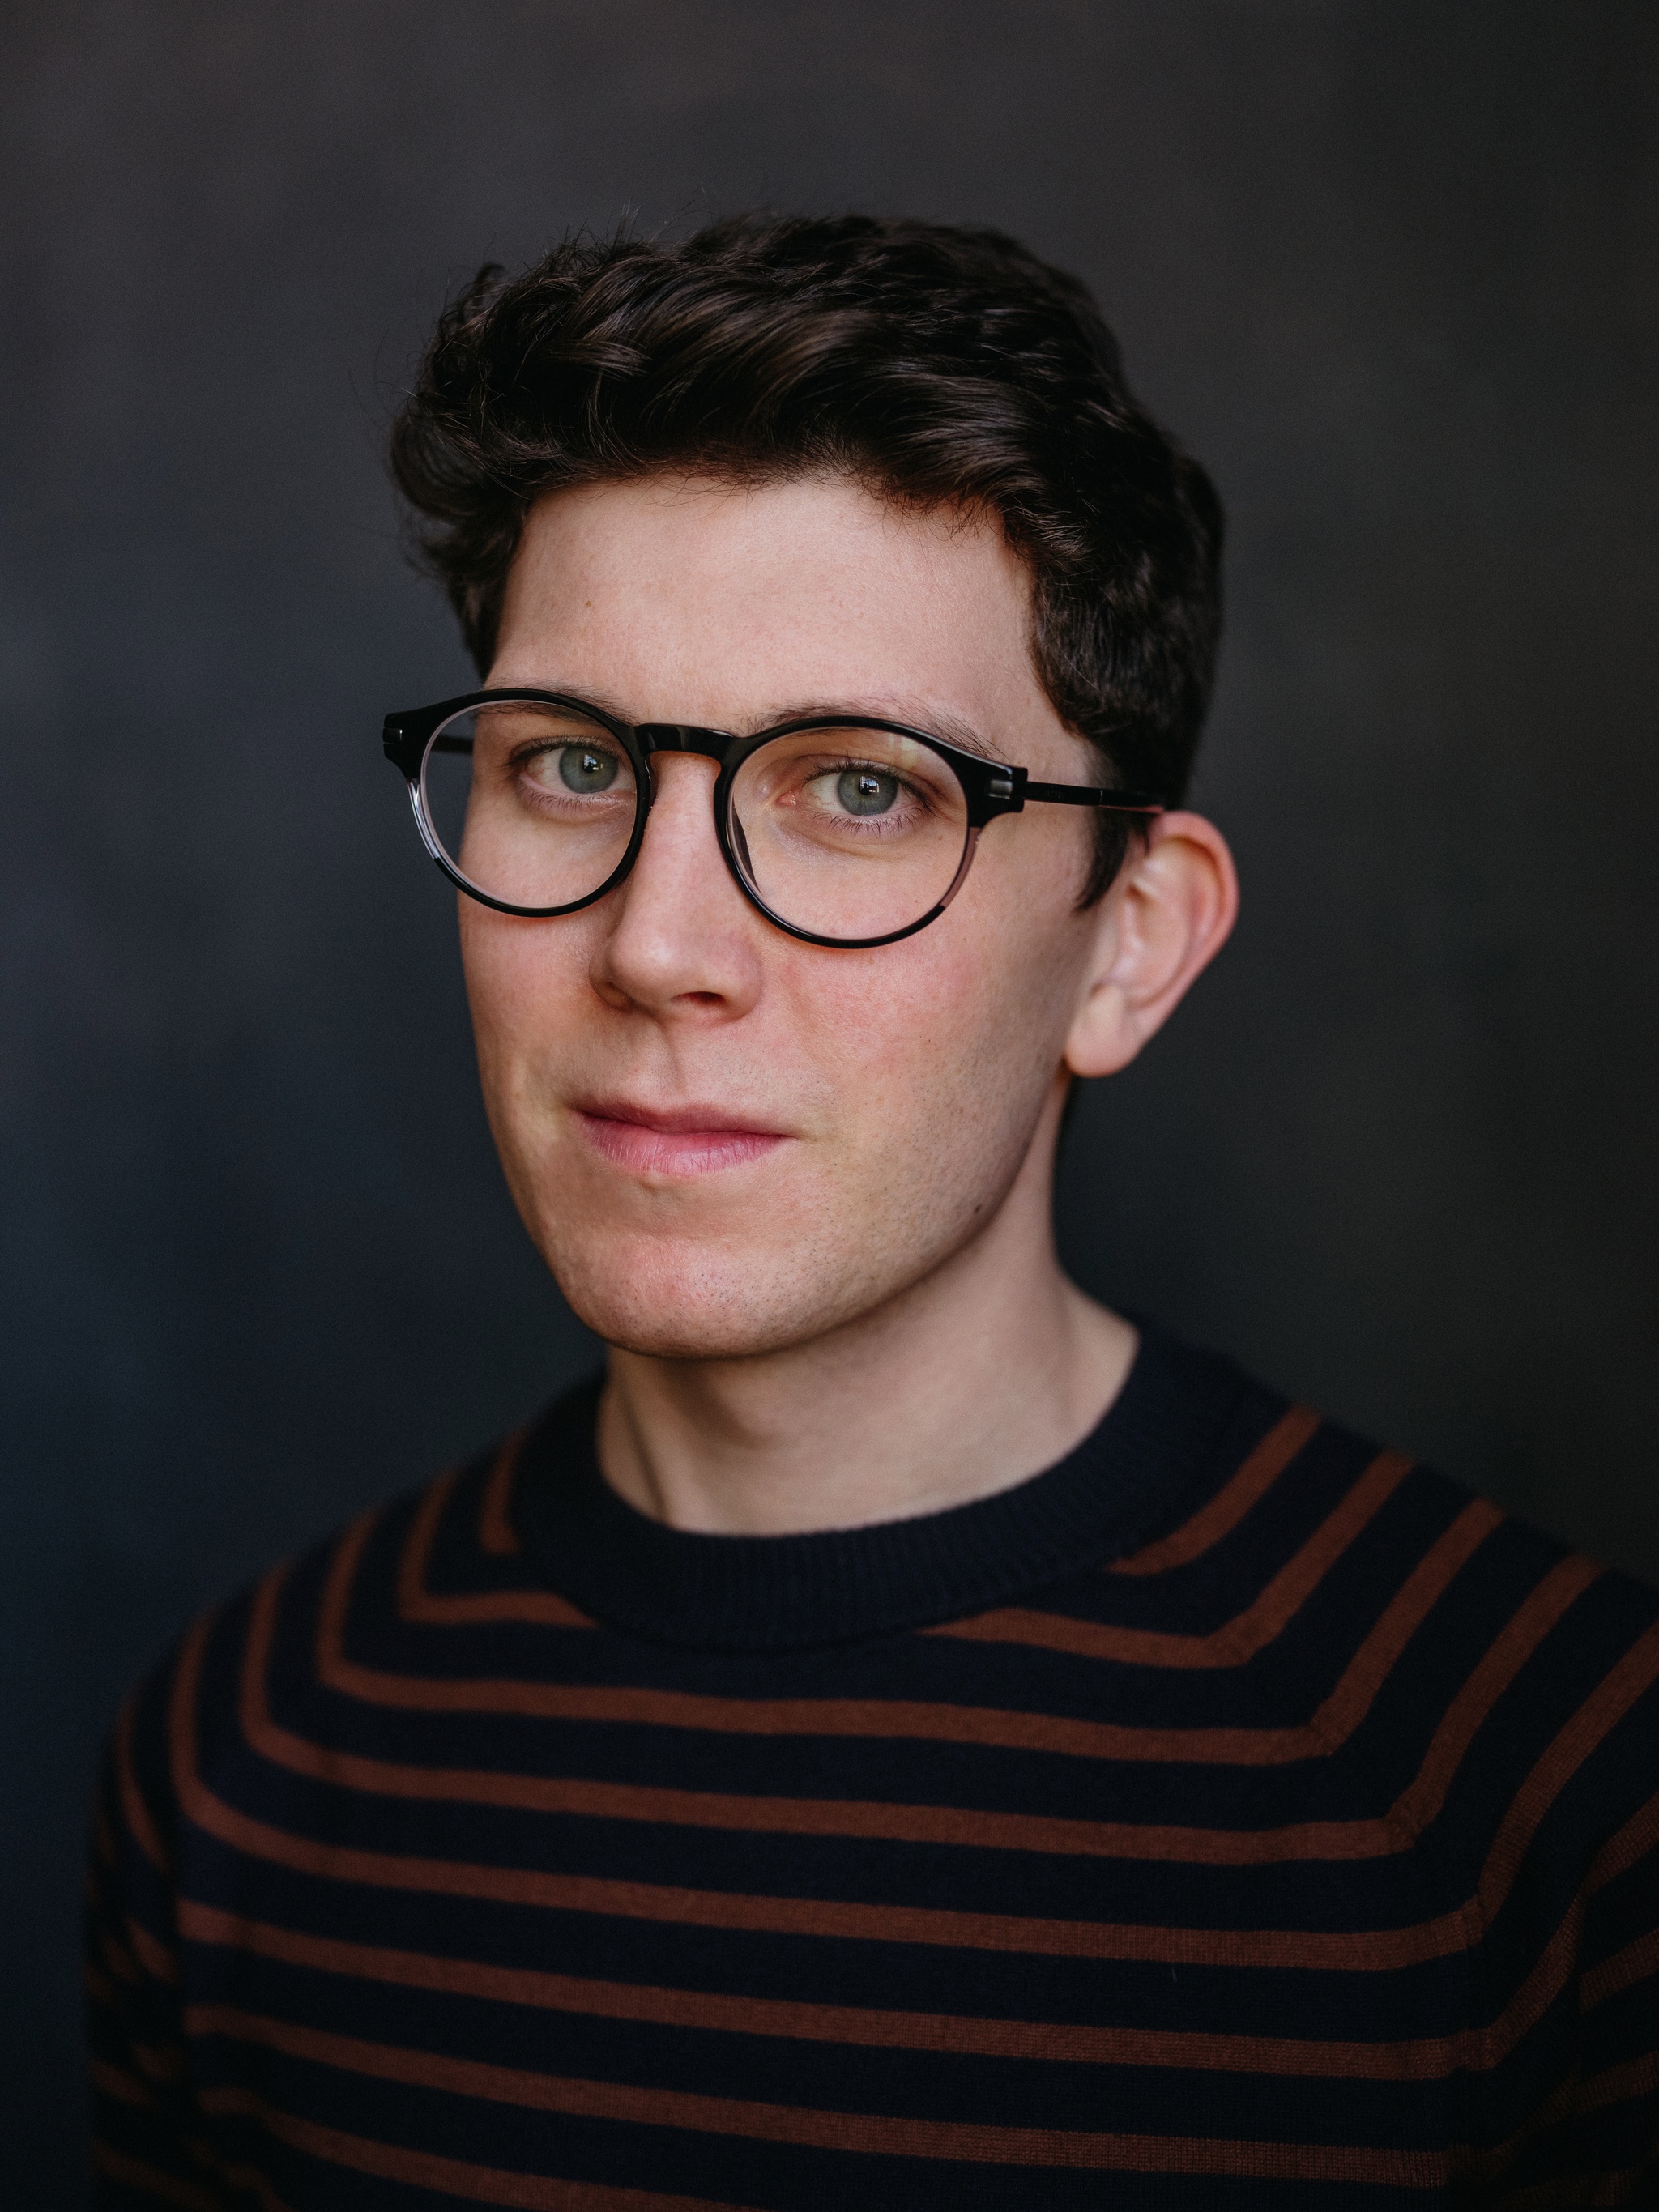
(682, 939)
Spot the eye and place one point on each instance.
(867, 790)
(582, 766)
(585, 767)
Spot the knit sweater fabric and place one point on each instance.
(1230, 1815)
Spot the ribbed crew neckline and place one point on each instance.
(1128, 1478)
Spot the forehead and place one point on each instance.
(746, 601)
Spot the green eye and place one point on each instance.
(866, 790)
(585, 767)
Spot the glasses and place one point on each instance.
(842, 829)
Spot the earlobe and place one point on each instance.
(1161, 923)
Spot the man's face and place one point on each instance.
(723, 1140)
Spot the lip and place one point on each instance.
(674, 1140)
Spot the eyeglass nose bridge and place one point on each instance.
(683, 738)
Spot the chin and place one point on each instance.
(678, 1299)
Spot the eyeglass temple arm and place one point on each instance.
(1084, 795)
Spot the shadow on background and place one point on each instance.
(1389, 269)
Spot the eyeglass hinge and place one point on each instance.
(1006, 788)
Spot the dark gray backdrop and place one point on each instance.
(1389, 267)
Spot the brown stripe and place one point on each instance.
(1341, 1713)
(252, 2183)
(558, 1794)
(134, 1811)
(1449, 1932)
(1236, 1641)
(1490, 2162)
(1046, 2042)
(479, 2184)
(582, 1893)
(136, 2173)
(1573, 1743)
(869, 2133)
(1551, 1973)
(1635, 1963)
(867, 1819)
(256, 2184)
(1628, 2185)
(1531, 1622)
(834, 1918)
(1636, 2077)
(115, 2082)
(896, 1718)
(1255, 1477)
(1487, 2048)
(416, 1602)
(496, 1533)
(240, 2177)
(153, 1955)
(967, 1828)
(1628, 1845)
(99, 1989)
(1546, 2197)
(1420, 2059)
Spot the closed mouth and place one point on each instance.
(682, 1140)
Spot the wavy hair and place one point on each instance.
(941, 366)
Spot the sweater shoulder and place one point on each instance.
(1498, 1683)
(1322, 1609)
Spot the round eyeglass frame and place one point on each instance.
(989, 789)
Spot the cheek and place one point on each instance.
(960, 1028)
(520, 983)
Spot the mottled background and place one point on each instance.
(1391, 269)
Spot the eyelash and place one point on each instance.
(535, 748)
(840, 767)
(912, 792)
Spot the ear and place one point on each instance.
(1164, 920)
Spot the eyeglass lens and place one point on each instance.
(847, 833)
(533, 804)
(842, 833)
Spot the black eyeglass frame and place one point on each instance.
(989, 789)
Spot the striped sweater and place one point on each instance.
(1230, 1815)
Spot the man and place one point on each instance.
(907, 1735)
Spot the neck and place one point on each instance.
(991, 1367)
